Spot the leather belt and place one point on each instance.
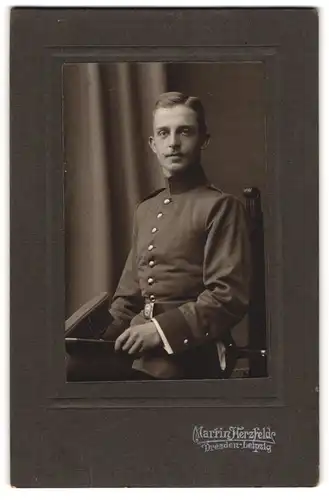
(152, 309)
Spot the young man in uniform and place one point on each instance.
(186, 280)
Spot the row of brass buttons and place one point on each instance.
(151, 262)
(151, 247)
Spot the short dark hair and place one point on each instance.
(171, 99)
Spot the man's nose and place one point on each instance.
(174, 141)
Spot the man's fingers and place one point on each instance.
(129, 343)
(136, 347)
(121, 339)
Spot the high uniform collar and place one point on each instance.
(182, 182)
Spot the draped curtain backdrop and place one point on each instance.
(109, 168)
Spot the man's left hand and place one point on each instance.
(138, 338)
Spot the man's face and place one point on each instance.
(177, 140)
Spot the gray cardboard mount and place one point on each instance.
(164, 433)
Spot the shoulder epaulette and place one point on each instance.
(212, 186)
(151, 195)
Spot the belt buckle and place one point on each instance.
(148, 310)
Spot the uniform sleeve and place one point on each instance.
(226, 269)
(127, 300)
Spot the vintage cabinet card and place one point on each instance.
(164, 261)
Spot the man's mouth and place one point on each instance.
(175, 155)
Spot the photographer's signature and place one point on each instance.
(256, 439)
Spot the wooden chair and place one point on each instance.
(256, 349)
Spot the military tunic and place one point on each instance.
(190, 259)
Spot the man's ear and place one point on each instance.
(151, 143)
(206, 141)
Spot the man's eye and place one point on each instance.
(162, 133)
(186, 131)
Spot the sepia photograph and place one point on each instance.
(164, 247)
(165, 191)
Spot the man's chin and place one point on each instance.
(175, 168)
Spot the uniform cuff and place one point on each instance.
(165, 342)
(221, 351)
(178, 332)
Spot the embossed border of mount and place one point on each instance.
(234, 392)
